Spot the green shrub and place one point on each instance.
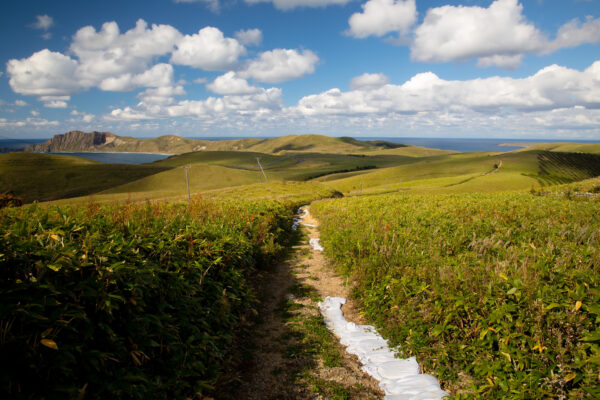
(498, 295)
(134, 301)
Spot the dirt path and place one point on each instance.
(323, 279)
(292, 355)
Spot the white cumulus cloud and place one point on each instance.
(108, 53)
(368, 81)
(208, 49)
(280, 65)
(497, 36)
(44, 73)
(454, 33)
(158, 76)
(551, 88)
(380, 17)
(229, 83)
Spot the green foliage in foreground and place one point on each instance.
(498, 295)
(133, 301)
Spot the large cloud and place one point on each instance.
(45, 73)
(208, 49)
(286, 5)
(380, 17)
(498, 35)
(452, 33)
(551, 88)
(115, 61)
(281, 65)
(108, 53)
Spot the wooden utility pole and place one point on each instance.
(187, 182)
(262, 170)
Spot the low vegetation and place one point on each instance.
(497, 295)
(130, 301)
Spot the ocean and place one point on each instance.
(461, 145)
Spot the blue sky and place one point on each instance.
(503, 68)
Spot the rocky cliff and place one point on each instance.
(74, 141)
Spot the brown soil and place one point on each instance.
(272, 371)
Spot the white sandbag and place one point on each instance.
(314, 243)
(400, 379)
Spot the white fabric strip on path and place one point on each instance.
(400, 379)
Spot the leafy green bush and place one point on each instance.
(498, 295)
(134, 301)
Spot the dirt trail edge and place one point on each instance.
(291, 353)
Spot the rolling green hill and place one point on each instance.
(44, 177)
(474, 172)
(345, 164)
(592, 148)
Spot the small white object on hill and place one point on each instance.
(400, 379)
(314, 243)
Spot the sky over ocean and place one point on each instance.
(368, 68)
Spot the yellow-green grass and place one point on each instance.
(240, 159)
(475, 172)
(281, 191)
(569, 147)
(591, 185)
(201, 177)
(43, 177)
(496, 294)
(434, 167)
(410, 151)
(292, 166)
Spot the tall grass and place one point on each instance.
(131, 301)
(498, 295)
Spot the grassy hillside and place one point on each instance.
(568, 147)
(201, 177)
(244, 159)
(410, 151)
(474, 172)
(495, 294)
(45, 177)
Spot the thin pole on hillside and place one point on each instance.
(261, 168)
(187, 182)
